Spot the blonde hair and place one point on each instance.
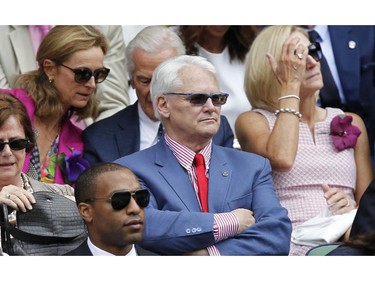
(261, 85)
(59, 44)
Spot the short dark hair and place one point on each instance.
(86, 184)
(12, 106)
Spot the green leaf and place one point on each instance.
(61, 161)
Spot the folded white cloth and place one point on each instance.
(324, 228)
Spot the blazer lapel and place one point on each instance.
(219, 181)
(176, 177)
(347, 59)
(128, 138)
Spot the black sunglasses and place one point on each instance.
(201, 98)
(83, 74)
(315, 51)
(15, 144)
(121, 199)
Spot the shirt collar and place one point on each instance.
(185, 156)
(99, 252)
(322, 31)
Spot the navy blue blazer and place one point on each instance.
(119, 135)
(174, 222)
(356, 69)
(355, 65)
(84, 250)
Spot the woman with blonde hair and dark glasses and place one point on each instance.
(70, 62)
(320, 158)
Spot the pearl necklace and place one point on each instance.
(12, 217)
(26, 184)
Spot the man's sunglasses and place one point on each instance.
(315, 51)
(83, 74)
(121, 199)
(15, 144)
(201, 98)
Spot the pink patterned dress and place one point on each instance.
(318, 162)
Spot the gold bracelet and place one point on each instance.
(288, 110)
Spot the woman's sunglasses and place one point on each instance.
(83, 74)
(201, 98)
(315, 51)
(15, 144)
(121, 199)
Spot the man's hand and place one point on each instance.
(244, 217)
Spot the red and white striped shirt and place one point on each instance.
(225, 224)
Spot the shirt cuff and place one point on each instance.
(213, 251)
(225, 225)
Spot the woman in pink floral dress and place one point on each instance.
(320, 157)
(70, 60)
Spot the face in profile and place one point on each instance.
(313, 79)
(144, 66)
(74, 90)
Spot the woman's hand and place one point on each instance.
(338, 201)
(292, 63)
(16, 198)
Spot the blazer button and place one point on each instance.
(352, 44)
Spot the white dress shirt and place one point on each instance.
(148, 129)
(99, 252)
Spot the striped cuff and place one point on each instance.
(213, 251)
(225, 225)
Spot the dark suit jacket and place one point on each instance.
(364, 220)
(119, 135)
(356, 68)
(84, 250)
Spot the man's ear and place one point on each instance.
(86, 211)
(131, 83)
(163, 106)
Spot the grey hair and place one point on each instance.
(152, 39)
(166, 77)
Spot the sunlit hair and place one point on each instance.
(153, 39)
(261, 85)
(59, 45)
(167, 76)
(11, 106)
(87, 183)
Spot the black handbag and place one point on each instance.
(53, 227)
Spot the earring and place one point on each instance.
(50, 80)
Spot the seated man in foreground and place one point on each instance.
(111, 202)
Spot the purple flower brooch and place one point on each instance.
(344, 134)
